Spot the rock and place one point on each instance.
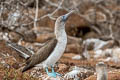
(77, 57)
(72, 39)
(14, 36)
(78, 73)
(62, 67)
(91, 35)
(29, 36)
(16, 65)
(51, 78)
(74, 48)
(44, 37)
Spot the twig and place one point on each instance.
(36, 15)
(48, 15)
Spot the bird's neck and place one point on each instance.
(102, 74)
(60, 33)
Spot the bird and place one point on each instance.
(52, 50)
(101, 70)
(102, 73)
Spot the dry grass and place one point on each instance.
(13, 74)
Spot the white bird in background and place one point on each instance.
(101, 70)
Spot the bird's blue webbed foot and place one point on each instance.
(53, 73)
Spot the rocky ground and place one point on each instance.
(93, 36)
(71, 66)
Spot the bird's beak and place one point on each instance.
(67, 15)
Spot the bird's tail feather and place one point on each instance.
(16, 47)
(27, 67)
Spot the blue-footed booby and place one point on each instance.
(52, 50)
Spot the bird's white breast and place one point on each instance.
(58, 51)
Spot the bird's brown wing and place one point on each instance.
(42, 54)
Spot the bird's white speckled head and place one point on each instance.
(62, 19)
(60, 24)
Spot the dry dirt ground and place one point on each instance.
(11, 65)
(77, 28)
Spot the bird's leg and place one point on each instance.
(46, 69)
(52, 69)
(53, 73)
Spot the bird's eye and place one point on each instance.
(63, 18)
